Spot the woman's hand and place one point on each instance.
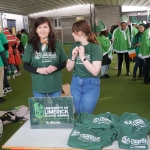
(42, 70)
(51, 69)
(81, 52)
(75, 52)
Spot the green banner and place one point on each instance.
(50, 112)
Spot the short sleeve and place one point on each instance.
(3, 38)
(62, 54)
(27, 57)
(97, 54)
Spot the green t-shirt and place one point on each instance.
(93, 52)
(45, 83)
(4, 40)
(90, 139)
(1, 49)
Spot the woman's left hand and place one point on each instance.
(51, 69)
(81, 52)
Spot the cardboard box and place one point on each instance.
(66, 90)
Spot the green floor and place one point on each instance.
(118, 95)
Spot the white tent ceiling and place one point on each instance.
(26, 7)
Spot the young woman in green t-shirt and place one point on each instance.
(44, 57)
(85, 61)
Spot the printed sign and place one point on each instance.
(1, 129)
(50, 112)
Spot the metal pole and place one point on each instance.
(90, 16)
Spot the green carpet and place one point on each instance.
(118, 95)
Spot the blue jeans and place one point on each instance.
(55, 94)
(104, 69)
(85, 92)
(138, 62)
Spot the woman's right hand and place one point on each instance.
(75, 52)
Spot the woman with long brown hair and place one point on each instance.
(85, 61)
(44, 57)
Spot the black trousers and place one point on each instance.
(120, 60)
(147, 69)
(6, 84)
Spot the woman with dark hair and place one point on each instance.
(105, 45)
(44, 57)
(85, 61)
(138, 61)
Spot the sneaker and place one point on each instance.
(115, 68)
(13, 76)
(5, 90)
(106, 75)
(128, 73)
(8, 77)
(9, 89)
(134, 77)
(18, 74)
(15, 71)
(2, 99)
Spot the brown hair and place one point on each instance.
(35, 39)
(85, 27)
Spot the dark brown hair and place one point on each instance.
(85, 27)
(35, 39)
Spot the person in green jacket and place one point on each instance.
(24, 38)
(105, 45)
(121, 44)
(136, 43)
(134, 29)
(144, 53)
(44, 58)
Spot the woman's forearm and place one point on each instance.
(93, 68)
(70, 64)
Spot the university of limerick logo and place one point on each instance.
(39, 110)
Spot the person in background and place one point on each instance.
(137, 43)
(13, 42)
(24, 38)
(44, 57)
(18, 35)
(3, 64)
(144, 52)
(121, 44)
(7, 88)
(105, 45)
(134, 31)
(85, 60)
(11, 62)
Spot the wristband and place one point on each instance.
(84, 59)
(72, 59)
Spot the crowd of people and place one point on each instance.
(44, 57)
(11, 49)
(126, 37)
